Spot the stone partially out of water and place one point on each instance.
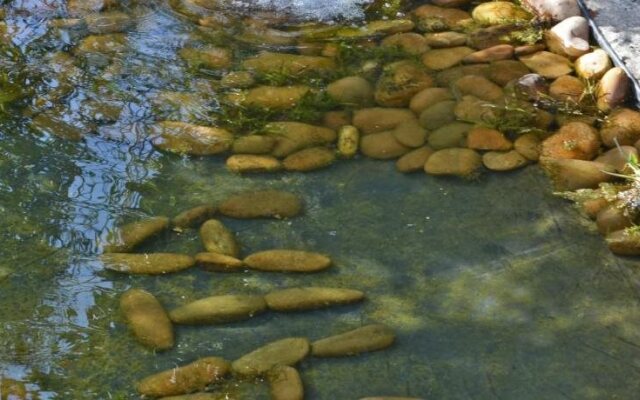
(247, 163)
(368, 338)
(554, 10)
(217, 262)
(593, 65)
(613, 89)
(378, 119)
(309, 159)
(625, 242)
(193, 217)
(570, 37)
(262, 204)
(499, 12)
(127, 237)
(575, 140)
(210, 57)
(288, 261)
(216, 238)
(311, 298)
(287, 351)
(147, 264)
(285, 383)
(185, 138)
(219, 309)
(267, 62)
(455, 161)
(186, 379)
(294, 136)
(147, 319)
(611, 219)
(569, 174)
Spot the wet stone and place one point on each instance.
(414, 160)
(212, 57)
(268, 62)
(445, 39)
(352, 90)
(219, 310)
(410, 134)
(547, 64)
(373, 120)
(382, 146)
(456, 161)
(438, 115)
(186, 379)
(348, 141)
(621, 127)
(481, 138)
(450, 135)
(287, 261)
(570, 174)
(447, 77)
(287, 351)
(336, 119)
(399, 82)
(618, 157)
(503, 161)
(109, 22)
(433, 19)
(495, 53)
(247, 163)
(624, 242)
(505, 71)
(472, 109)
(109, 44)
(238, 80)
(499, 12)
(294, 136)
(146, 264)
(410, 42)
(216, 238)
(4, 273)
(127, 237)
(567, 88)
(569, 38)
(262, 204)
(362, 340)
(193, 217)
(574, 140)
(285, 383)
(274, 97)
(216, 262)
(479, 87)
(147, 319)
(553, 10)
(309, 159)
(254, 144)
(185, 138)
(593, 65)
(613, 89)
(428, 97)
(311, 298)
(439, 59)
(611, 219)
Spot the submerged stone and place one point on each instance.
(503, 161)
(219, 309)
(351, 90)
(309, 159)
(411, 42)
(438, 115)
(547, 64)
(311, 298)
(267, 62)
(569, 174)
(621, 127)
(479, 87)
(146, 264)
(494, 53)
(217, 262)
(193, 217)
(247, 163)
(624, 242)
(399, 82)
(611, 219)
(613, 89)
(377, 119)
(186, 379)
(362, 340)
(439, 59)
(575, 140)
(147, 319)
(294, 136)
(185, 138)
(428, 97)
(254, 144)
(109, 22)
(209, 57)
(262, 204)
(618, 157)
(481, 138)
(216, 238)
(275, 97)
(454, 161)
(127, 237)
(288, 261)
(499, 12)
(449, 135)
(382, 146)
(410, 134)
(567, 88)
(285, 383)
(505, 71)
(414, 160)
(282, 352)
(445, 39)
(432, 18)
(109, 44)
(4, 273)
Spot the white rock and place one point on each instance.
(555, 10)
(570, 37)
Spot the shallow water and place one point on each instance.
(496, 288)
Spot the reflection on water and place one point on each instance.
(495, 288)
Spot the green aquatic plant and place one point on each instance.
(312, 106)
(513, 116)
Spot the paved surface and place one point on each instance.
(617, 24)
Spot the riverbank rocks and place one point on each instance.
(569, 174)
(494, 53)
(611, 219)
(428, 97)
(503, 160)
(624, 242)
(127, 237)
(311, 298)
(108, 22)
(254, 144)
(613, 89)
(456, 161)
(365, 339)
(146, 264)
(275, 97)
(186, 138)
(569, 38)
(294, 136)
(281, 260)
(309, 159)
(193, 217)
(621, 127)
(414, 160)
(481, 138)
(499, 12)
(287, 351)
(438, 115)
(410, 134)
(618, 157)
(247, 163)
(186, 379)
(147, 319)
(110, 44)
(378, 119)
(552, 10)
(219, 309)
(475, 110)
(216, 238)
(431, 18)
(593, 65)
(217, 262)
(285, 383)
(352, 90)
(267, 62)
(479, 87)
(348, 141)
(450, 135)
(529, 145)
(382, 146)
(574, 140)
(548, 65)
(261, 204)
(440, 59)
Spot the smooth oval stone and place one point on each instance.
(438, 115)
(547, 64)
(439, 59)
(622, 127)
(247, 163)
(310, 298)
(505, 71)
(428, 97)
(379, 119)
(570, 174)
(189, 378)
(382, 146)
(351, 90)
(499, 12)
(391, 398)
(368, 338)
(288, 261)
(503, 161)
(147, 319)
(348, 141)
(411, 42)
(618, 157)
(450, 135)
(267, 62)
(203, 396)
(480, 87)
(193, 217)
(275, 97)
(593, 65)
(414, 160)
(625, 242)
(262, 204)
(309, 159)
(481, 138)
(613, 89)
(125, 238)
(612, 219)
(238, 80)
(529, 146)
(219, 309)
(218, 262)
(294, 136)
(210, 57)
(454, 161)
(287, 351)
(185, 138)
(336, 119)
(285, 383)
(147, 264)
(216, 238)
(410, 134)
(445, 39)
(254, 144)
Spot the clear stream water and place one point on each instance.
(496, 288)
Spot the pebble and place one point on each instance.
(479, 87)
(348, 141)
(410, 42)
(574, 140)
(611, 219)
(445, 39)
(450, 135)
(219, 309)
(621, 127)
(208, 57)
(309, 159)
(456, 161)
(548, 65)
(186, 379)
(481, 138)
(261, 204)
(186, 138)
(503, 161)
(336, 119)
(504, 71)
(285, 383)
(438, 115)
(440, 59)
(593, 65)
(217, 262)
(288, 261)
(311, 298)
(449, 76)
(146, 264)
(570, 37)
(254, 144)
(127, 237)
(276, 98)
(269, 62)
(147, 319)
(410, 134)
(428, 97)
(554, 10)
(624, 242)
(400, 81)
(613, 89)
(203, 396)
(382, 146)
(433, 19)
(352, 91)
(567, 88)
(216, 238)
(495, 53)
(287, 351)
(499, 12)
(472, 109)
(293, 136)
(618, 157)
(248, 163)
(532, 87)
(108, 22)
(193, 217)
(414, 160)
(362, 340)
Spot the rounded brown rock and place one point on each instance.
(287, 351)
(571, 174)
(481, 138)
(378, 119)
(146, 264)
(575, 140)
(217, 262)
(529, 146)
(261, 204)
(186, 379)
(216, 238)
(309, 159)
(219, 309)
(125, 238)
(185, 138)
(454, 161)
(147, 319)
(254, 144)
(410, 134)
(193, 217)
(365, 339)
(382, 146)
(288, 261)
(611, 219)
(311, 298)
(503, 161)
(285, 383)
(246, 163)
(414, 160)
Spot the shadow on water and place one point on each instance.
(497, 289)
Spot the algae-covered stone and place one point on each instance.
(625, 242)
(447, 77)
(410, 42)
(503, 161)
(245, 163)
(126, 237)
(288, 261)
(410, 134)
(309, 159)
(185, 138)
(569, 174)
(254, 144)
(238, 80)
(368, 338)
(287, 351)
(499, 12)
(267, 62)
(311, 298)
(351, 90)
(455, 161)
(193, 217)
(382, 146)
(428, 97)
(391, 398)
(450, 135)
(547, 64)
(216, 238)
(378, 119)
(618, 157)
(611, 219)
(146, 264)
(414, 160)
(217, 262)
(294, 136)
(262, 204)
(103, 44)
(203, 396)
(439, 40)
(438, 115)
(209, 57)
(275, 97)
(108, 22)
(493, 53)
(285, 383)
(432, 18)
(505, 71)
(529, 146)
(186, 379)
(348, 141)
(219, 309)
(399, 82)
(439, 59)
(567, 88)
(147, 319)
(472, 109)
(621, 127)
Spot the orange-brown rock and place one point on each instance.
(574, 140)
(481, 138)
